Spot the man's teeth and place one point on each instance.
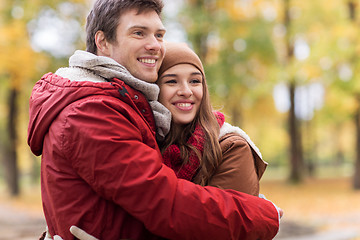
(150, 61)
(184, 105)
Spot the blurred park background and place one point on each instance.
(285, 71)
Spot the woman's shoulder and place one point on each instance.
(230, 139)
(228, 131)
(234, 141)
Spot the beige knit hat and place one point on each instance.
(179, 53)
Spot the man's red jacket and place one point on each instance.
(102, 171)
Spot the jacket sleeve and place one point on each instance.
(237, 169)
(119, 166)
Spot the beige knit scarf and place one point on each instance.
(84, 65)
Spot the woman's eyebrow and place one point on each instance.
(196, 73)
(169, 75)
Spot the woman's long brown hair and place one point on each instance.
(179, 135)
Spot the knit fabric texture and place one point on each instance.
(84, 66)
(179, 53)
(172, 158)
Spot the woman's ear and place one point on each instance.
(102, 44)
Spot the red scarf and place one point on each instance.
(171, 155)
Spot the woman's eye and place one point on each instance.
(172, 81)
(195, 81)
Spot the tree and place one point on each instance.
(354, 59)
(346, 80)
(296, 152)
(235, 50)
(16, 45)
(19, 65)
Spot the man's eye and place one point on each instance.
(160, 35)
(138, 33)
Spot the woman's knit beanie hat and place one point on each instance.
(179, 53)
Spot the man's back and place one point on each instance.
(72, 155)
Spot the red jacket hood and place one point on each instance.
(50, 95)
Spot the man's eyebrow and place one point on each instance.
(145, 28)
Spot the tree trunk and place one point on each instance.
(236, 116)
(296, 155)
(356, 183)
(310, 152)
(10, 158)
(352, 10)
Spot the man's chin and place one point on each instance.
(148, 78)
(145, 75)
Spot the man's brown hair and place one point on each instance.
(105, 17)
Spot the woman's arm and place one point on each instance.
(237, 169)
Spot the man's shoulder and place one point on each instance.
(78, 74)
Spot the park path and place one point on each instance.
(294, 231)
(16, 224)
(345, 226)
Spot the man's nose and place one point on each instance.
(153, 44)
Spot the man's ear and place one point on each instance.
(102, 44)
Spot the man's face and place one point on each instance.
(139, 46)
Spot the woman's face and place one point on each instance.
(181, 91)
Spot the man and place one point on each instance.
(101, 168)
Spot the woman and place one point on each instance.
(200, 147)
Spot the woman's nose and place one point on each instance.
(185, 90)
